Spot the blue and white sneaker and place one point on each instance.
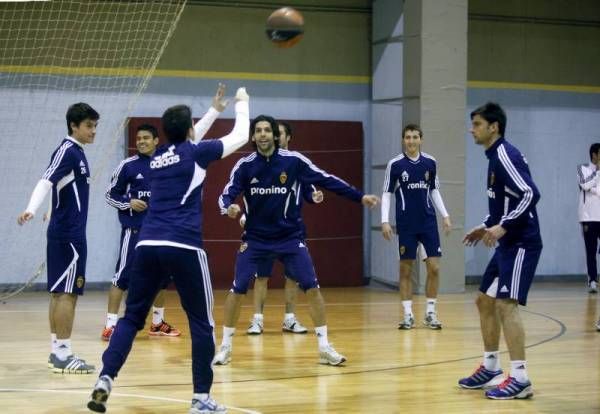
(482, 378)
(510, 389)
(100, 394)
(207, 406)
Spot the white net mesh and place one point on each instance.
(53, 54)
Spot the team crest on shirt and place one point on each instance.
(80, 282)
(243, 247)
(402, 249)
(492, 178)
(404, 176)
(426, 175)
(282, 177)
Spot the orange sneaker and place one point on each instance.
(107, 333)
(163, 329)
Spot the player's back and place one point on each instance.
(177, 175)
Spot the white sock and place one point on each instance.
(158, 315)
(63, 349)
(430, 305)
(491, 361)
(227, 335)
(259, 316)
(288, 316)
(407, 304)
(111, 319)
(321, 332)
(518, 370)
(53, 342)
(201, 396)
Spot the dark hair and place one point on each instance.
(287, 127)
(412, 127)
(271, 121)
(594, 148)
(147, 127)
(78, 113)
(176, 122)
(492, 112)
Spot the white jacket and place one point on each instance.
(589, 192)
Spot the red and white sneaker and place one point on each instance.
(163, 329)
(107, 333)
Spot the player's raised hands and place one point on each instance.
(233, 211)
(24, 217)
(219, 102)
(242, 95)
(387, 231)
(370, 200)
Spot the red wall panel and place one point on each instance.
(334, 227)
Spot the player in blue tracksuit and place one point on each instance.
(68, 177)
(271, 181)
(170, 244)
(412, 178)
(129, 193)
(512, 223)
(311, 195)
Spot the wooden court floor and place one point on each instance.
(388, 371)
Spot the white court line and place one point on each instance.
(147, 397)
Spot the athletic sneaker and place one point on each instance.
(256, 327)
(407, 323)
(593, 286)
(510, 389)
(223, 356)
(482, 378)
(431, 321)
(51, 359)
(72, 365)
(163, 329)
(293, 325)
(107, 333)
(100, 394)
(329, 356)
(207, 406)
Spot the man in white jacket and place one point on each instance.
(589, 212)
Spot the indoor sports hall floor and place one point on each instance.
(388, 371)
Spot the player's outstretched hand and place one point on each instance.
(233, 211)
(474, 235)
(138, 205)
(370, 200)
(447, 225)
(219, 102)
(242, 95)
(387, 231)
(492, 235)
(243, 221)
(24, 217)
(317, 196)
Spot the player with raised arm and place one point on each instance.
(129, 193)
(271, 181)
(412, 178)
(170, 244)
